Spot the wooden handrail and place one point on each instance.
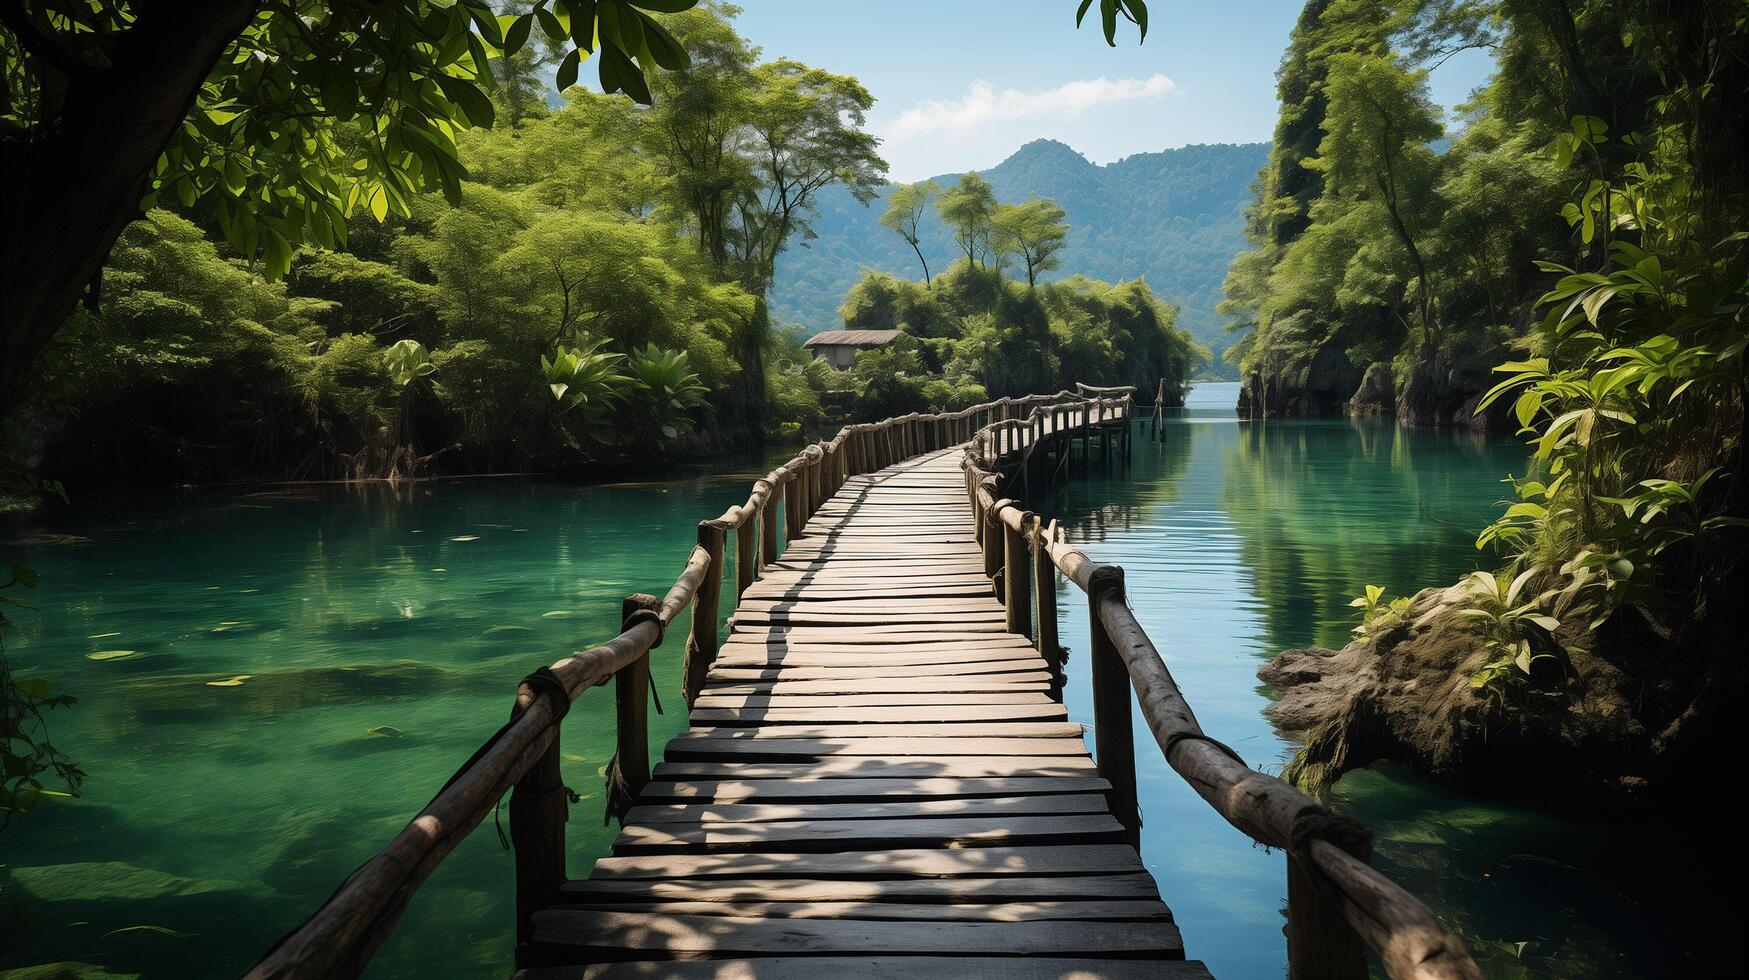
(1338, 904)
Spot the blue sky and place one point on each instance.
(961, 83)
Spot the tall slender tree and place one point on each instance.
(967, 208)
(905, 209)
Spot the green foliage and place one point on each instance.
(967, 208)
(408, 361)
(27, 756)
(906, 207)
(662, 392)
(319, 110)
(973, 327)
(1034, 232)
(585, 379)
(1375, 612)
(1517, 631)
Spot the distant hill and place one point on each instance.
(1175, 217)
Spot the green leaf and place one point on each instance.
(567, 76)
(107, 655)
(516, 32)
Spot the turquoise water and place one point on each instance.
(1242, 539)
(221, 815)
(225, 814)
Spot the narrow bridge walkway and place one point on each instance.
(877, 782)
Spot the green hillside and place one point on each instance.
(1175, 217)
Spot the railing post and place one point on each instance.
(1114, 745)
(746, 552)
(538, 810)
(1321, 945)
(701, 643)
(1044, 587)
(768, 527)
(1017, 577)
(993, 538)
(629, 770)
(792, 507)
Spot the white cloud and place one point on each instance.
(983, 104)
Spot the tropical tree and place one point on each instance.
(285, 117)
(905, 209)
(967, 208)
(1035, 231)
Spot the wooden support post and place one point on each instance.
(768, 527)
(631, 699)
(1320, 942)
(993, 538)
(538, 810)
(1017, 577)
(1114, 745)
(1044, 588)
(701, 643)
(792, 506)
(746, 552)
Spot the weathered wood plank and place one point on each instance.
(935, 891)
(1055, 859)
(703, 814)
(885, 968)
(953, 789)
(615, 934)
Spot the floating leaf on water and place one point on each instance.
(213, 588)
(101, 636)
(236, 681)
(102, 655)
(417, 531)
(466, 537)
(160, 930)
(508, 629)
(440, 569)
(558, 614)
(246, 591)
(386, 731)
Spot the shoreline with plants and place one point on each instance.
(1603, 656)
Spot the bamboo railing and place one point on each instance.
(522, 758)
(1338, 906)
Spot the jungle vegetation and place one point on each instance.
(1572, 265)
(327, 238)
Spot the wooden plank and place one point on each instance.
(935, 891)
(914, 767)
(783, 670)
(709, 699)
(871, 835)
(722, 791)
(613, 934)
(878, 713)
(931, 862)
(1036, 681)
(1135, 910)
(885, 968)
(1014, 729)
(988, 806)
(880, 748)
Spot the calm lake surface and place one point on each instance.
(309, 665)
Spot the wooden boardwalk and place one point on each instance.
(877, 782)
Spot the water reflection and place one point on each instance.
(1243, 539)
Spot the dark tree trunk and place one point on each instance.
(67, 192)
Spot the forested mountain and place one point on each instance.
(1175, 217)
